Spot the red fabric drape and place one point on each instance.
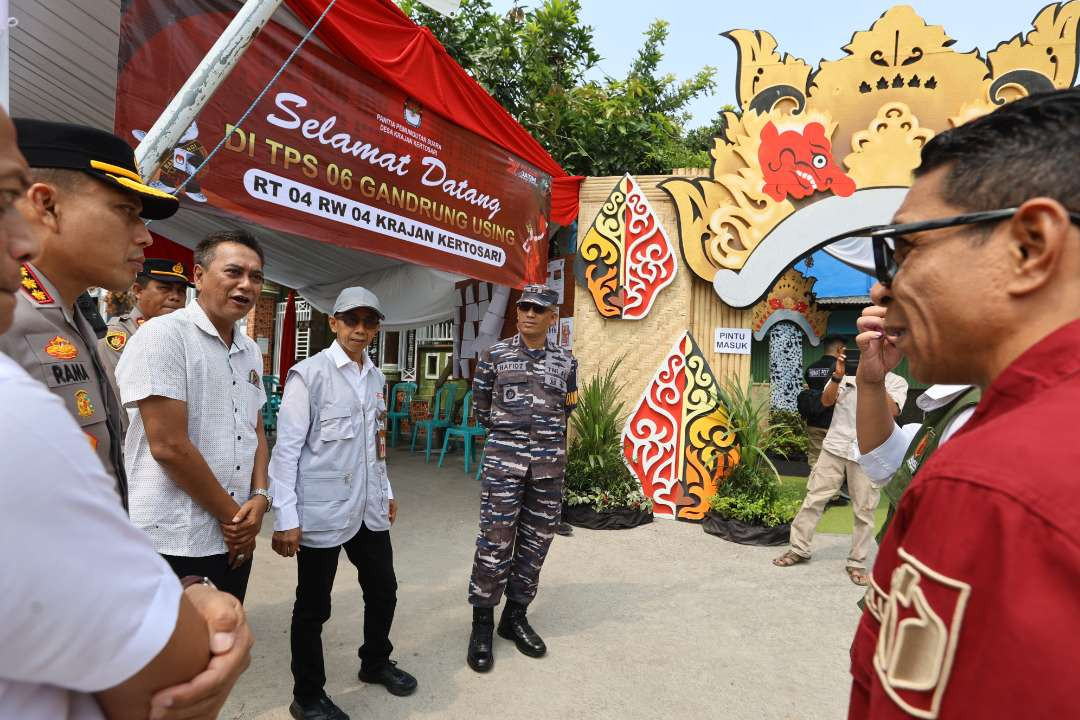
(288, 339)
(378, 37)
(167, 249)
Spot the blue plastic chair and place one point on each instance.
(465, 431)
(399, 413)
(480, 466)
(440, 418)
(273, 402)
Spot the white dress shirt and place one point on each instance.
(87, 602)
(882, 462)
(293, 427)
(181, 356)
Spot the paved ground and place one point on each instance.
(662, 621)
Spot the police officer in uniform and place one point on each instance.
(160, 288)
(86, 205)
(524, 389)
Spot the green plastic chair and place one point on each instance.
(441, 416)
(399, 413)
(465, 431)
(273, 402)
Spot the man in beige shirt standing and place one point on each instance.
(839, 458)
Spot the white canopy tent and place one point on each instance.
(62, 66)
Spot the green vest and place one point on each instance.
(922, 447)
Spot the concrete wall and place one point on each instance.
(688, 303)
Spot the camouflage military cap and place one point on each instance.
(540, 295)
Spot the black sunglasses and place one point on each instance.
(883, 237)
(537, 309)
(352, 319)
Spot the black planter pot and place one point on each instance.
(791, 467)
(739, 532)
(622, 518)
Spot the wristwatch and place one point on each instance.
(266, 494)
(189, 580)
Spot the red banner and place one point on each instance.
(331, 152)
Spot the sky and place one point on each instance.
(808, 30)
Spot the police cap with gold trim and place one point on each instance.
(166, 271)
(101, 154)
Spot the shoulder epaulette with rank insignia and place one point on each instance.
(33, 287)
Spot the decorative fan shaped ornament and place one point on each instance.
(678, 441)
(625, 258)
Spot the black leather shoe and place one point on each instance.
(320, 709)
(480, 657)
(398, 682)
(514, 626)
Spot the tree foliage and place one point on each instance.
(535, 63)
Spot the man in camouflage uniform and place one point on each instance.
(159, 289)
(524, 389)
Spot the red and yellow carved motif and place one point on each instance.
(626, 258)
(678, 441)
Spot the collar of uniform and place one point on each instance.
(1042, 366)
(938, 396)
(202, 321)
(136, 313)
(341, 359)
(48, 287)
(519, 341)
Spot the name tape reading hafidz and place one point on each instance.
(288, 193)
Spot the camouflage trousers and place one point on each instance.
(518, 517)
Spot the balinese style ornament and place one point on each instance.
(816, 152)
(791, 299)
(625, 259)
(678, 441)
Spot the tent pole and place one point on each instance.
(5, 54)
(200, 87)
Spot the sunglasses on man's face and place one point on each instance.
(368, 320)
(886, 238)
(527, 307)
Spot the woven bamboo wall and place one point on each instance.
(689, 303)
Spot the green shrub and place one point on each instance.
(751, 492)
(792, 441)
(595, 472)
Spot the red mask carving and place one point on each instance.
(800, 164)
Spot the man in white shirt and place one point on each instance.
(132, 630)
(196, 453)
(837, 460)
(328, 474)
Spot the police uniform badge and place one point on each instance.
(61, 348)
(253, 378)
(511, 393)
(116, 339)
(83, 404)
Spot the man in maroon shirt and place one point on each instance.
(973, 605)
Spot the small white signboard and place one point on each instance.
(732, 341)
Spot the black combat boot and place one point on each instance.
(480, 656)
(514, 626)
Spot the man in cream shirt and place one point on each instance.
(328, 475)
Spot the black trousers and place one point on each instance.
(373, 556)
(215, 567)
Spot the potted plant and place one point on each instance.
(748, 507)
(601, 494)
